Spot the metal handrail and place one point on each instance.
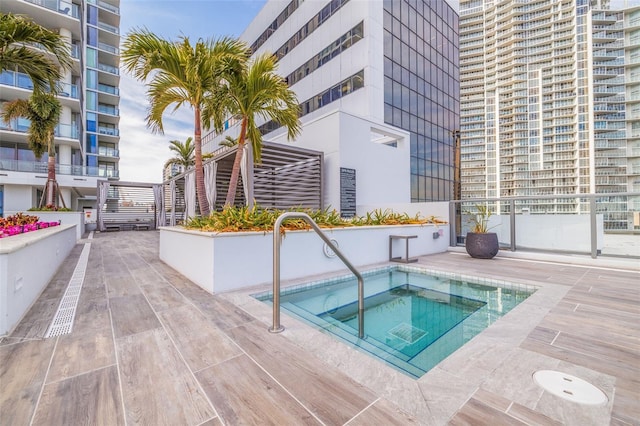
(277, 327)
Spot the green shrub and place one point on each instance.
(235, 219)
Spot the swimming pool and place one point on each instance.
(412, 320)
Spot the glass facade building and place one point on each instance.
(421, 89)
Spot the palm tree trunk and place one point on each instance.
(200, 189)
(235, 171)
(51, 174)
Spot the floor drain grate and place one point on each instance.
(569, 387)
(407, 333)
(65, 315)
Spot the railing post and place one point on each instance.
(512, 223)
(276, 326)
(453, 233)
(594, 226)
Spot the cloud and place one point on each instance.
(143, 153)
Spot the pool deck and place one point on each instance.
(150, 347)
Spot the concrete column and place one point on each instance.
(66, 196)
(64, 154)
(67, 36)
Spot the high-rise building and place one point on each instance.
(87, 136)
(377, 82)
(631, 25)
(543, 103)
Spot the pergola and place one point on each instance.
(287, 177)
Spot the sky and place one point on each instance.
(143, 153)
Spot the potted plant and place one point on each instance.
(480, 243)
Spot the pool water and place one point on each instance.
(412, 320)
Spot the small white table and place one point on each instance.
(406, 238)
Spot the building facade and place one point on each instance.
(544, 103)
(386, 68)
(87, 136)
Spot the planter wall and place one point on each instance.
(65, 218)
(230, 261)
(27, 264)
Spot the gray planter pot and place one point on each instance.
(482, 246)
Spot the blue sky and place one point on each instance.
(143, 153)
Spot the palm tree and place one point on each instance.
(183, 153)
(181, 74)
(228, 142)
(18, 34)
(254, 90)
(43, 111)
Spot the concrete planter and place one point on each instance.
(27, 264)
(65, 218)
(230, 261)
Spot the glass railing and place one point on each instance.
(107, 27)
(108, 109)
(109, 69)
(109, 131)
(108, 152)
(60, 6)
(105, 88)
(21, 125)
(62, 169)
(23, 81)
(597, 224)
(108, 48)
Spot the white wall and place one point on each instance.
(212, 260)
(382, 172)
(27, 264)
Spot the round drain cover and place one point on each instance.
(569, 387)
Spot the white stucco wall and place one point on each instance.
(27, 264)
(230, 261)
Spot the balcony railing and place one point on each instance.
(21, 125)
(60, 6)
(108, 109)
(105, 5)
(108, 68)
(105, 88)
(109, 131)
(573, 223)
(62, 169)
(108, 48)
(108, 152)
(107, 27)
(23, 81)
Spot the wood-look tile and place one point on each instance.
(626, 404)
(244, 394)
(200, 343)
(162, 296)
(598, 349)
(212, 422)
(92, 315)
(475, 413)
(131, 314)
(332, 396)
(610, 367)
(79, 353)
(92, 398)
(491, 399)
(222, 313)
(531, 417)
(23, 368)
(542, 334)
(122, 286)
(383, 412)
(157, 386)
